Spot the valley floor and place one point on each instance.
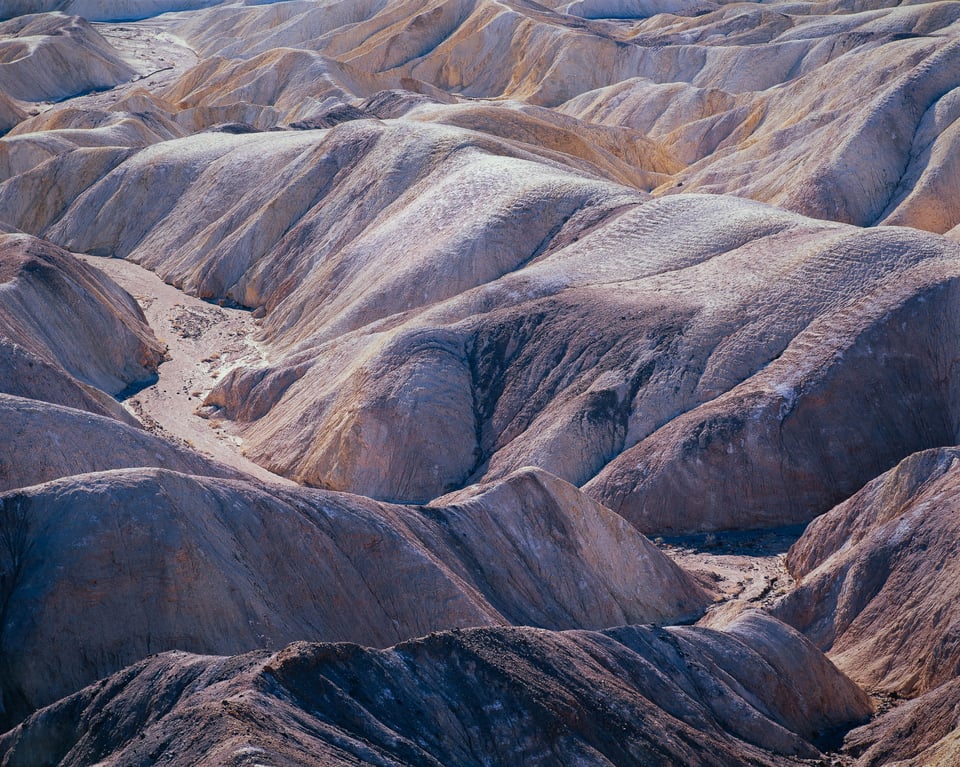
(574, 383)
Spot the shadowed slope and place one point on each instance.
(919, 733)
(55, 312)
(10, 113)
(213, 565)
(467, 234)
(877, 586)
(506, 695)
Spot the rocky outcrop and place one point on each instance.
(171, 561)
(876, 586)
(55, 312)
(499, 695)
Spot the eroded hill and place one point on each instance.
(523, 282)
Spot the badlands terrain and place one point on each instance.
(479, 382)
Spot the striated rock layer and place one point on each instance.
(635, 695)
(455, 289)
(846, 111)
(172, 561)
(669, 253)
(877, 588)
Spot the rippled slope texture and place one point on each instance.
(461, 274)
(526, 282)
(837, 110)
(443, 308)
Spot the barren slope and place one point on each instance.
(55, 312)
(565, 322)
(47, 57)
(670, 252)
(747, 95)
(628, 696)
(876, 586)
(49, 441)
(922, 732)
(212, 565)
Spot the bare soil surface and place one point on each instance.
(745, 568)
(157, 56)
(204, 341)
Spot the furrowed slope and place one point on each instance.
(632, 695)
(444, 308)
(168, 560)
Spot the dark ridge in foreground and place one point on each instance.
(629, 696)
(112, 566)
